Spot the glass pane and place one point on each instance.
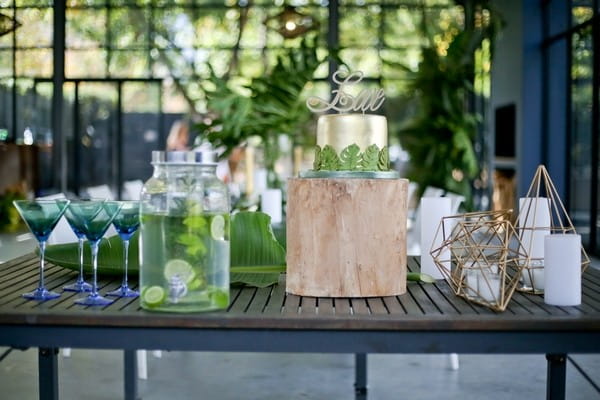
(97, 122)
(216, 28)
(129, 27)
(34, 63)
(218, 60)
(85, 63)
(33, 3)
(85, 28)
(365, 60)
(255, 32)
(359, 27)
(84, 3)
(6, 3)
(6, 41)
(251, 63)
(401, 28)
(141, 107)
(174, 27)
(581, 11)
(580, 158)
(125, 63)
(6, 109)
(36, 27)
(5, 64)
(393, 62)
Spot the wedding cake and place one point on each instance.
(346, 217)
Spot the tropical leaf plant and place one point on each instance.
(270, 105)
(440, 137)
(257, 258)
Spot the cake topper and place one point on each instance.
(366, 100)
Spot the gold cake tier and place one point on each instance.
(342, 130)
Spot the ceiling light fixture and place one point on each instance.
(290, 23)
(8, 24)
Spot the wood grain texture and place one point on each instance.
(346, 237)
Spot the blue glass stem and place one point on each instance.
(80, 249)
(42, 253)
(126, 255)
(94, 248)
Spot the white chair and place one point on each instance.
(100, 192)
(132, 189)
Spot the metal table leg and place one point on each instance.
(48, 373)
(130, 369)
(557, 374)
(360, 376)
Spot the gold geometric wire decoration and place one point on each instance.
(541, 213)
(480, 257)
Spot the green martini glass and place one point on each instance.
(96, 217)
(41, 216)
(78, 226)
(126, 223)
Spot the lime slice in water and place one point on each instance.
(154, 296)
(179, 267)
(217, 227)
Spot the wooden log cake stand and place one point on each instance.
(346, 237)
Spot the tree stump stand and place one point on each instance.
(346, 237)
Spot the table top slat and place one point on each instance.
(292, 304)
(393, 305)
(359, 306)
(325, 306)
(275, 304)
(260, 300)
(243, 300)
(342, 306)
(377, 306)
(308, 305)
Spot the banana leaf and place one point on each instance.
(257, 258)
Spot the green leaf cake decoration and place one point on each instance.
(384, 159)
(370, 159)
(350, 158)
(317, 162)
(329, 159)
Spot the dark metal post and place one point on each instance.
(59, 159)
(76, 143)
(593, 244)
(119, 141)
(48, 373)
(130, 369)
(360, 376)
(333, 37)
(557, 374)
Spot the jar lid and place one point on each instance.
(202, 157)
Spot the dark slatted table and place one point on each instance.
(429, 318)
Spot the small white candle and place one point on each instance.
(562, 263)
(534, 213)
(533, 277)
(270, 203)
(489, 289)
(472, 282)
(432, 210)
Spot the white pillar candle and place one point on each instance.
(489, 287)
(270, 203)
(260, 181)
(432, 210)
(534, 212)
(562, 263)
